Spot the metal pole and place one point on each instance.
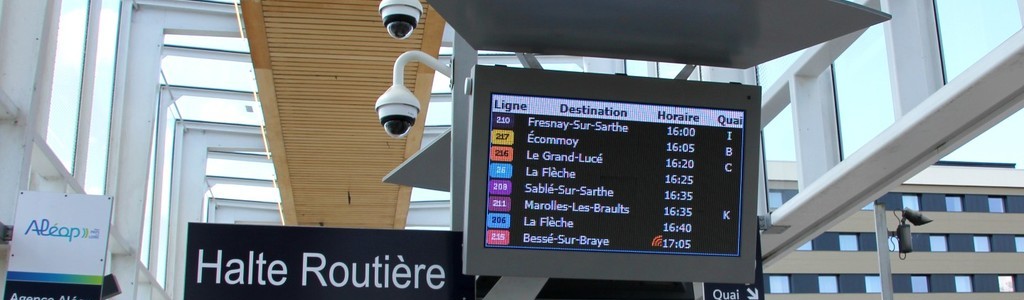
(882, 242)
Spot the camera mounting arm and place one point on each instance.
(420, 56)
(398, 108)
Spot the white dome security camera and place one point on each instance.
(397, 109)
(400, 16)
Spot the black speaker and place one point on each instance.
(905, 238)
(110, 287)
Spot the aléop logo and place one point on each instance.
(44, 227)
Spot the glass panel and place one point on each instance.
(419, 194)
(770, 72)
(828, 284)
(993, 146)
(240, 191)
(208, 42)
(670, 70)
(209, 73)
(640, 68)
(970, 29)
(440, 85)
(778, 284)
(774, 200)
(963, 284)
(1006, 284)
(893, 243)
(954, 203)
(1019, 241)
(848, 242)
(996, 205)
(102, 98)
(808, 246)
(439, 114)
(872, 284)
(938, 243)
(237, 167)
(981, 243)
(911, 201)
(863, 94)
(778, 137)
(66, 89)
(919, 284)
(220, 110)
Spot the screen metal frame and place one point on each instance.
(481, 260)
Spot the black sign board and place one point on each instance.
(723, 291)
(17, 289)
(278, 262)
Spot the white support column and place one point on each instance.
(188, 185)
(187, 189)
(915, 66)
(135, 100)
(23, 35)
(814, 118)
(88, 86)
(1020, 6)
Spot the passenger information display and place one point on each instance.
(606, 176)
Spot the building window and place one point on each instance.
(938, 243)
(778, 284)
(808, 246)
(774, 200)
(919, 284)
(963, 284)
(1006, 284)
(996, 204)
(911, 201)
(982, 244)
(954, 203)
(1020, 243)
(828, 284)
(848, 242)
(872, 284)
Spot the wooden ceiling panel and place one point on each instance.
(320, 66)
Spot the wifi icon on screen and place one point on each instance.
(657, 241)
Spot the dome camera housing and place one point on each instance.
(400, 16)
(397, 109)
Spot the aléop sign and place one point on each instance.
(59, 246)
(278, 262)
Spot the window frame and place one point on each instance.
(914, 286)
(775, 288)
(954, 203)
(828, 279)
(957, 287)
(932, 242)
(987, 243)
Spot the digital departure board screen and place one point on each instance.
(586, 175)
(634, 173)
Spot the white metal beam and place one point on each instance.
(811, 63)
(986, 93)
(132, 126)
(8, 110)
(195, 17)
(181, 91)
(911, 39)
(211, 54)
(23, 34)
(816, 130)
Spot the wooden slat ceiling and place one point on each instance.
(320, 66)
